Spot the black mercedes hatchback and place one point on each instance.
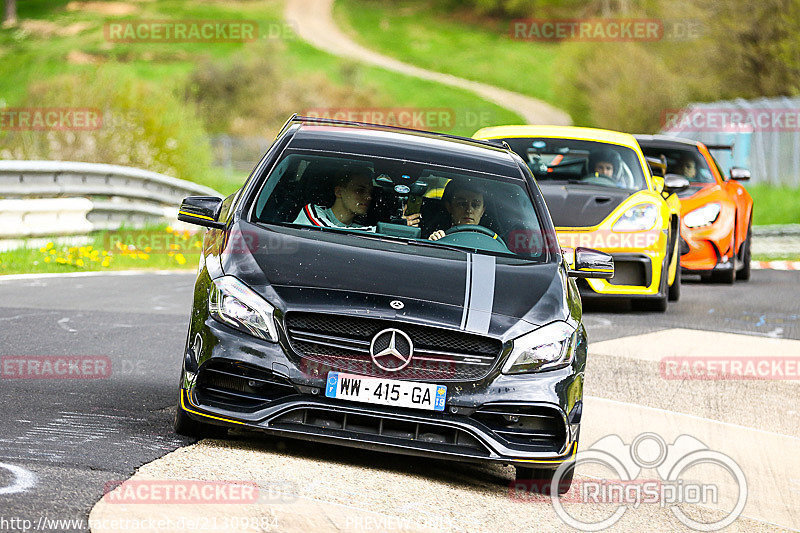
(388, 289)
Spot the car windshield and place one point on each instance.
(581, 162)
(684, 161)
(415, 202)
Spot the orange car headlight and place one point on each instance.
(702, 216)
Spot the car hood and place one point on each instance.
(344, 274)
(576, 205)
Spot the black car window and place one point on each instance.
(686, 161)
(481, 212)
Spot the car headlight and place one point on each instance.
(702, 216)
(640, 217)
(232, 302)
(543, 349)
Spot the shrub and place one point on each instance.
(142, 126)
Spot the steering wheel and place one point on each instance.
(475, 228)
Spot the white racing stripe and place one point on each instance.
(479, 293)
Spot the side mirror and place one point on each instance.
(592, 264)
(657, 166)
(740, 174)
(675, 182)
(201, 210)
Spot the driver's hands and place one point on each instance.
(436, 235)
(412, 220)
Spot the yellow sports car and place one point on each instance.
(603, 193)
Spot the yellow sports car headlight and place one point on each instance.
(640, 217)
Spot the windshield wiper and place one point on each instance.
(391, 238)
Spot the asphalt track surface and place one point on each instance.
(75, 437)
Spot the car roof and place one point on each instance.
(570, 132)
(412, 145)
(666, 141)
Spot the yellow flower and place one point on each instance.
(106, 262)
(169, 229)
(47, 259)
(180, 259)
(43, 250)
(60, 260)
(49, 245)
(79, 262)
(143, 256)
(105, 253)
(52, 252)
(174, 247)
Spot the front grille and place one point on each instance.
(542, 428)
(226, 384)
(373, 426)
(330, 342)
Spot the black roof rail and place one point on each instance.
(719, 146)
(298, 119)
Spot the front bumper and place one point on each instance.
(292, 404)
(708, 248)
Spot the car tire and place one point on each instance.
(188, 427)
(542, 477)
(675, 289)
(744, 273)
(725, 276)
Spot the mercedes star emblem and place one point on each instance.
(391, 350)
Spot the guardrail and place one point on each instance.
(72, 198)
(777, 230)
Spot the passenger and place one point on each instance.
(353, 192)
(464, 203)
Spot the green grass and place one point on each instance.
(185, 254)
(775, 205)
(776, 257)
(422, 33)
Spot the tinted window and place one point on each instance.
(581, 162)
(335, 192)
(684, 161)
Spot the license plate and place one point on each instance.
(393, 392)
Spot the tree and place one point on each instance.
(10, 13)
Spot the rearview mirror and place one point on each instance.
(201, 210)
(592, 264)
(675, 182)
(740, 174)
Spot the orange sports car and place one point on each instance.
(716, 210)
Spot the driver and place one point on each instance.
(606, 164)
(464, 203)
(688, 167)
